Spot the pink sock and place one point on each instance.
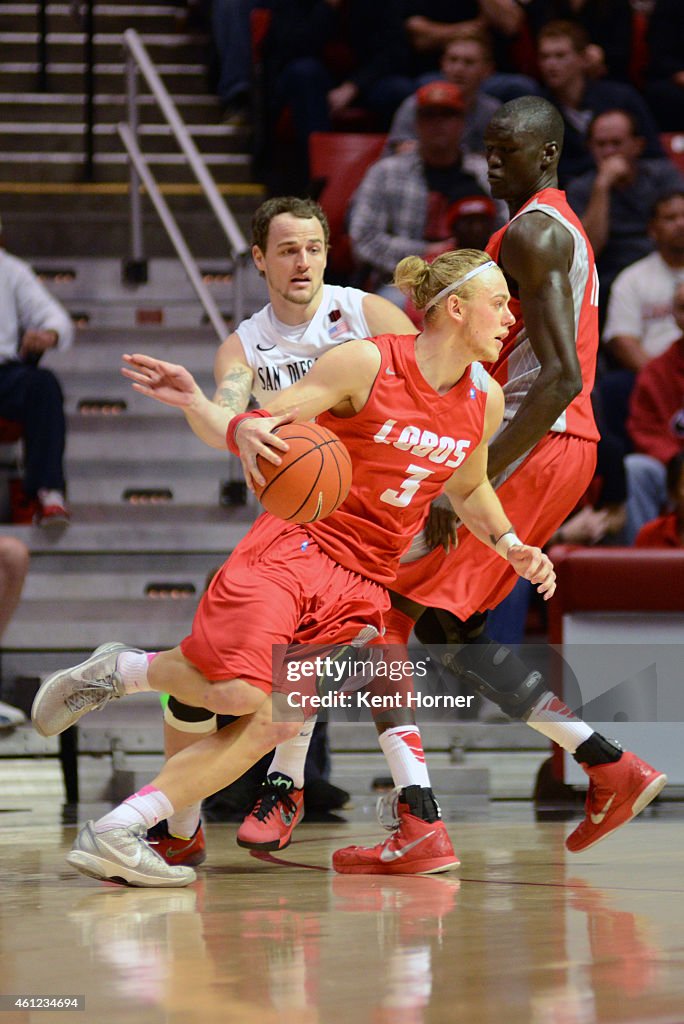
(132, 666)
(148, 806)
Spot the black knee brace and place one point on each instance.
(436, 626)
(185, 717)
(498, 674)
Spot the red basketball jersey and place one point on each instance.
(517, 366)
(405, 443)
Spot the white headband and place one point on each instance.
(457, 284)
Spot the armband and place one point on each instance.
(235, 423)
(507, 540)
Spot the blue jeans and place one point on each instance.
(230, 23)
(646, 492)
(33, 397)
(506, 622)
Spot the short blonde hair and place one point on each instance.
(421, 280)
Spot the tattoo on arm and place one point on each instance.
(234, 390)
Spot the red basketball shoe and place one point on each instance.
(277, 811)
(617, 793)
(415, 846)
(174, 849)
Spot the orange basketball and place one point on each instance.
(313, 478)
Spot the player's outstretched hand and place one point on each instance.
(532, 564)
(167, 382)
(255, 437)
(441, 527)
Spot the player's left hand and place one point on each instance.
(255, 437)
(441, 527)
(532, 564)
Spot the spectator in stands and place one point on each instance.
(231, 37)
(564, 70)
(639, 322)
(467, 62)
(404, 202)
(614, 199)
(14, 562)
(431, 24)
(324, 56)
(667, 531)
(656, 425)
(665, 91)
(607, 23)
(31, 322)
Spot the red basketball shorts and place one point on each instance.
(277, 587)
(537, 497)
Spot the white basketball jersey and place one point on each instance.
(280, 355)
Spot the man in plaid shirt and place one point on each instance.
(406, 203)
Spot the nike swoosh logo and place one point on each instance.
(388, 855)
(597, 819)
(387, 370)
(265, 348)
(126, 859)
(171, 853)
(287, 818)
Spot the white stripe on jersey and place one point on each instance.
(522, 365)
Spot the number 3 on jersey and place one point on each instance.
(402, 497)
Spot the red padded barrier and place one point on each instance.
(614, 580)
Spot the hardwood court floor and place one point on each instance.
(524, 933)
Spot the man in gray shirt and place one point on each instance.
(614, 200)
(31, 322)
(467, 62)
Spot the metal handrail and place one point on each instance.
(89, 89)
(42, 47)
(139, 60)
(173, 231)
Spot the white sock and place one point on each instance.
(403, 749)
(48, 496)
(185, 822)
(552, 718)
(132, 667)
(148, 805)
(290, 756)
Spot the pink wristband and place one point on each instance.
(235, 423)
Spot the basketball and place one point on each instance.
(313, 478)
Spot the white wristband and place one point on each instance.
(507, 540)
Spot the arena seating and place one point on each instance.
(338, 162)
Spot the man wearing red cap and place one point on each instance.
(467, 62)
(406, 202)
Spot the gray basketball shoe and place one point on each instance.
(122, 855)
(66, 696)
